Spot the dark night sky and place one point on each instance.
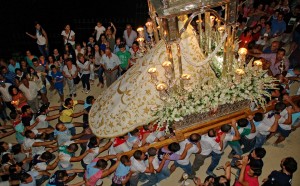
(18, 16)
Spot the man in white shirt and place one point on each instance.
(66, 155)
(29, 178)
(110, 63)
(5, 94)
(129, 35)
(138, 166)
(185, 164)
(38, 146)
(271, 121)
(208, 144)
(225, 134)
(30, 90)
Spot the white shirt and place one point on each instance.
(5, 94)
(42, 122)
(71, 33)
(228, 137)
(33, 174)
(192, 150)
(129, 40)
(265, 125)
(31, 92)
(137, 166)
(41, 40)
(84, 67)
(90, 156)
(155, 164)
(64, 159)
(69, 72)
(35, 150)
(100, 30)
(110, 62)
(208, 144)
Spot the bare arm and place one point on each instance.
(49, 118)
(3, 135)
(237, 135)
(106, 146)
(275, 124)
(253, 128)
(242, 173)
(32, 36)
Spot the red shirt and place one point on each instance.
(252, 181)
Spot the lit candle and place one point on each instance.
(161, 88)
(165, 35)
(149, 27)
(257, 64)
(242, 55)
(242, 51)
(221, 29)
(238, 74)
(152, 72)
(186, 76)
(141, 41)
(140, 30)
(167, 65)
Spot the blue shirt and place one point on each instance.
(122, 170)
(91, 170)
(278, 27)
(12, 68)
(10, 77)
(58, 76)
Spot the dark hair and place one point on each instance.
(60, 174)
(24, 177)
(46, 155)
(260, 152)
(102, 164)
(5, 158)
(18, 69)
(174, 147)
(225, 128)
(217, 181)
(34, 60)
(281, 50)
(258, 116)
(27, 133)
(152, 151)
(211, 133)
(56, 126)
(135, 42)
(52, 67)
(246, 31)
(135, 131)
(73, 147)
(124, 159)
(10, 90)
(137, 154)
(93, 142)
(24, 108)
(256, 171)
(68, 101)
(16, 149)
(13, 115)
(242, 122)
(122, 45)
(40, 31)
(280, 106)
(290, 165)
(12, 169)
(89, 99)
(194, 138)
(1, 146)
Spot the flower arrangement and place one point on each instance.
(206, 96)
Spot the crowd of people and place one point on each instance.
(270, 32)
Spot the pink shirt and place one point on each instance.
(252, 181)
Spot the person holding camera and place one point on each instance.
(110, 63)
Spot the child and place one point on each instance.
(92, 69)
(123, 173)
(18, 126)
(99, 29)
(58, 78)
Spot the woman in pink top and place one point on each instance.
(248, 175)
